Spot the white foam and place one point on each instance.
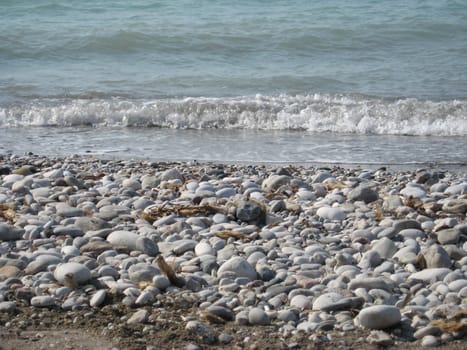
(317, 113)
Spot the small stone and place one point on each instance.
(430, 341)
(379, 316)
(325, 300)
(140, 316)
(78, 273)
(7, 306)
(43, 301)
(257, 316)
(448, 236)
(427, 275)
(363, 193)
(98, 298)
(238, 267)
(273, 182)
(413, 190)
(406, 224)
(435, 256)
(302, 302)
(10, 233)
(222, 312)
(249, 211)
(225, 338)
(380, 338)
(331, 213)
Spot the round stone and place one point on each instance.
(79, 273)
(379, 316)
(258, 316)
(238, 267)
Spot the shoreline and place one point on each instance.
(156, 255)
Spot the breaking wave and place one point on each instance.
(351, 114)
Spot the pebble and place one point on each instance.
(257, 316)
(299, 248)
(379, 316)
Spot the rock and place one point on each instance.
(363, 193)
(87, 223)
(237, 267)
(301, 302)
(146, 246)
(140, 316)
(7, 306)
(64, 210)
(249, 211)
(430, 341)
(448, 236)
(10, 233)
(43, 301)
(385, 247)
(435, 256)
(330, 213)
(379, 316)
(96, 247)
(132, 241)
(413, 190)
(325, 300)
(161, 282)
(273, 182)
(222, 312)
(98, 298)
(371, 283)
(78, 273)
(258, 317)
(380, 338)
(427, 275)
(41, 263)
(9, 271)
(172, 174)
(204, 248)
(406, 224)
(142, 272)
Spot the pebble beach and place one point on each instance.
(311, 254)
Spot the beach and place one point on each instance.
(134, 254)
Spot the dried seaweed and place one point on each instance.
(157, 212)
(7, 212)
(456, 323)
(169, 272)
(226, 234)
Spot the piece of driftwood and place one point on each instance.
(169, 272)
(456, 323)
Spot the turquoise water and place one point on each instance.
(335, 67)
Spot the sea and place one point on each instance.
(299, 81)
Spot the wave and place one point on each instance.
(352, 114)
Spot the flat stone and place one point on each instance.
(379, 316)
(142, 272)
(372, 283)
(9, 271)
(96, 247)
(140, 316)
(43, 301)
(222, 312)
(87, 223)
(430, 341)
(448, 236)
(40, 263)
(67, 211)
(406, 224)
(428, 275)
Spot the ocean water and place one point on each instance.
(279, 81)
